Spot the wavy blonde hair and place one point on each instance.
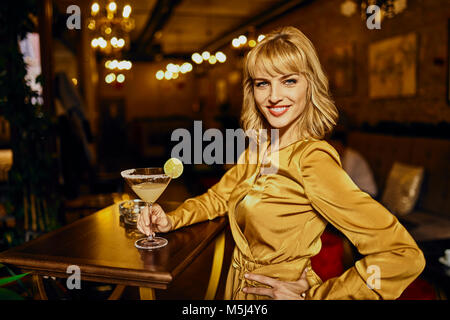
(288, 50)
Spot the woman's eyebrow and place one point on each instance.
(289, 75)
(282, 77)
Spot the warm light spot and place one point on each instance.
(108, 30)
(122, 65)
(91, 25)
(186, 67)
(197, 58)
(242, 39)
(261, 37)
(126, 11)
(212, 60)
(114, 64)
(112, 6)
(175, 75)
(160, 75)
(120, 78)
(120, 43)
(95, 8)
(205, 55)
(94, 43)
(107, 64)
(236, 43)
(221, 57)
(168, 75)
(173, 68)
(75, 81)
(252, 43)
(110, 78)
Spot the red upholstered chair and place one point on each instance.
(329, 262)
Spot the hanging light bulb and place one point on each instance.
(95, 8)
(126, 11)
(221, 57)
(112, 6)
(206, 55)
(212, 59)
(197, 58)
(120, 78)
(168, 75)
(236, 43)
(242, 39)
(160, 75)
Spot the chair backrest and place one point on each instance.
(381, 151)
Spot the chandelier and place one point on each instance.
(388, 8)
(110, 26)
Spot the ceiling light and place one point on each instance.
(126, 11)
(160, 75)
(206, 55)
(112, 6)
(95, 8)
(221, 57)
(168, 75)
(197, 58)
(120, 78)
(212, 59)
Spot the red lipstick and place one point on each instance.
(278, 111)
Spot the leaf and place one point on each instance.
(6, 294)
(7, 280)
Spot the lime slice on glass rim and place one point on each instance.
(173, 168)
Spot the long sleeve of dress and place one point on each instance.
(391, 260)
(207, 206)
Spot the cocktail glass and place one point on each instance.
(148, 184)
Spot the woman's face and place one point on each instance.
(280, 98)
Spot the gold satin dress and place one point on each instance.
(277, 219)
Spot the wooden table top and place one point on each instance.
(103, 247)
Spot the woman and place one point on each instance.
(276, 219)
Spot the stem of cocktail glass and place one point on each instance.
(149, 207)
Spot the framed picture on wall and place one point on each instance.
(393, 67)
(340, 65)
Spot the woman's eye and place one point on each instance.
(260, 83)
(290, 81)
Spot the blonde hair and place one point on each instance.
(288, 50)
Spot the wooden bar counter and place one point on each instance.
(102, 246)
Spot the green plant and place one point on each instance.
(33, 198)
(7, 294)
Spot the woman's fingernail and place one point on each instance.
(245, 289)
(246, 275)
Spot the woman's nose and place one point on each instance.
(275, 95)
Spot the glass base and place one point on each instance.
(146, 244)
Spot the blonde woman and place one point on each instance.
(276, 219)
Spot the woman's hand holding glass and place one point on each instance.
(154, 221)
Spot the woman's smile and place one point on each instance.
(278, 111)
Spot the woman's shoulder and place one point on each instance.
(314, 148)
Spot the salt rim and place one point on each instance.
(128, 174)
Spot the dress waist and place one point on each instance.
(284, 271)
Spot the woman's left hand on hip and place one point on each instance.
(280, 290)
